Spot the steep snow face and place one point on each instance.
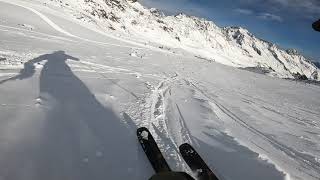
(232, 46)
(284, 63)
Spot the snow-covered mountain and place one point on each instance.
(234, 46)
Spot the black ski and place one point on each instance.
(152, 150)
(196, 163)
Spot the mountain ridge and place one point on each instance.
(233, 46)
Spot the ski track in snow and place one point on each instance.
(225, 112)
(46, 19)
(159, 125)
(9, 28)
(168, 136)
(59, 29)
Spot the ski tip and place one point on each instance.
(143, 133)
(184, 146)
(141, 129)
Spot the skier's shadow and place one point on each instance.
(80, 138)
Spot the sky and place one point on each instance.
(288, 23)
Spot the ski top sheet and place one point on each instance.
(152, 150)
(196, 163)
(160, 165)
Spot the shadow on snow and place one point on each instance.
(79, 139)
(234, 161)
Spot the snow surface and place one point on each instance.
(72, 96)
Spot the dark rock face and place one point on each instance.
(292, 51)
(298, 76)
(316, 25)
(258, 69)
(314, 75)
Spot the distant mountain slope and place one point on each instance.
(317, 64)
(232, 46)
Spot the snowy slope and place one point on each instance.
(73, 92)
(233, 46)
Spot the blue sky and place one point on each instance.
(284, 22)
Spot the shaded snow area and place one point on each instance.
(77, 80)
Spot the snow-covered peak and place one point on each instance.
(156, 12)
(234, 46)
(237, 30)
(292, 52)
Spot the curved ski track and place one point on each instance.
(168, 138)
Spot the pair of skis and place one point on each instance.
(159, 164)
